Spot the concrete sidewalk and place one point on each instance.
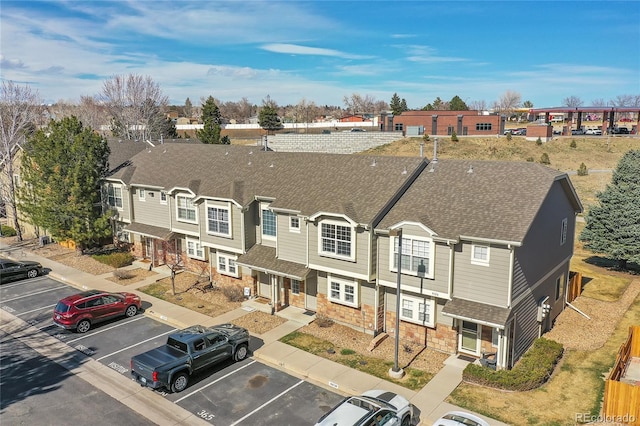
(429, 401)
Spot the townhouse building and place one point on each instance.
(480, 250)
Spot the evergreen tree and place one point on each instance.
(395, 104)
(403, 105)
(169, 129)
(613, 226)
(188, 108)
(62, 168)
(457, 104)
(268, 118)
(212, 119)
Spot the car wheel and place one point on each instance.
(241, 353)
(179, 383)
(32, 273)
(131, 311)
(83, 326)
(406, 421)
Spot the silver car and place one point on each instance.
(459, 418)
(372, 408)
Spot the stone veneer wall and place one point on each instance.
(333, 143)
(362, 318)
(443, 338)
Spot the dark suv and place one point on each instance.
(79, 311)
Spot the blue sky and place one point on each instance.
(322, 51)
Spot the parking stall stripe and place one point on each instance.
(132, 346)
(215, 381)
(34, 293)
(267, 403)
(36, 309)
(106, 329)
(25, 281)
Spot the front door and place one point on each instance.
(148, 248)
(310, 295)
(469, 337)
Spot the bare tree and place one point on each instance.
(304, 111)
(623, 101)
(135, 104)
(509, 101)
(357, 104)
(572, 102)
(598, 103)
(20, 109)
(480, 105)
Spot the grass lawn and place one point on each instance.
(576, 386)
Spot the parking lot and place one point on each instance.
(247, 392)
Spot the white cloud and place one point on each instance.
(294, 49)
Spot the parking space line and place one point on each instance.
(33, 310)
(132, 346)
(267, 403)
(107, 329)
(32, 280)
(215, 381)
(34, 293)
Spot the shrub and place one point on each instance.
(454, 137)
(233, 293)
(425, 137)
(123, 274)
(347, 351)
(509, 136)
(573, 144)
(538, 141)
(8, 231)
(533, 369)
(117, 259)
(324, 322)
(544, 159)
(530, 159)
(582, 170)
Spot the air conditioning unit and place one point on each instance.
(44, 240)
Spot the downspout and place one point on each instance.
(578, 310)
(451, 254)
(510, 283)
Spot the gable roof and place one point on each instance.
(122, 150)
(357, 186)
(495, 200)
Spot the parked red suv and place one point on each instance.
(80, 311)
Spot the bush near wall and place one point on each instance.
(117, 259)
(533, 369)
(8, 231)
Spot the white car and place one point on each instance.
(593, 132)
(458, 418)
(374, 407)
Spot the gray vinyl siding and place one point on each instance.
(249, 216)
(178, 225)
(440, 281)
(292, 246)
(124, 214)
(541, 250)
(484, 284)
(150, 211)
(359, 266)
(390, 305)
(235, 217)
(366, 291)
(367, 295)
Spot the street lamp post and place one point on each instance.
(396, 372)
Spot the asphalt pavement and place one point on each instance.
(429, 401)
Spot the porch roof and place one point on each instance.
(264, 259)
(158, 232)
(477, 312)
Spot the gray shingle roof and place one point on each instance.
(309, 183)
(150, 231)
(496, 200)
(477, 312)
(264, 259)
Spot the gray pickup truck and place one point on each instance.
(186, 352)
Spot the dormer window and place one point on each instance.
(269, 230)
(337, 239)
(186, 209)
(480, 254)
(294, 224)
(417, 256)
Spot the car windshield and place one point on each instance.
(62, 307)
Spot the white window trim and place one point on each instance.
(214, 206)
(352, 256)
(227, 257)
(341, 297)
(142, 194)
(559, 287)
(263, 207)
(178, 218)
(475, 260)
(563, 231)
(293, 291)
(415, 318)
(495, 333)
(198, 250)
(293, 228)
(392, 255)
(163, 197)
(114, 186)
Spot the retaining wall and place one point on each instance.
(333, 143)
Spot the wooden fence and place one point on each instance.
(575, 286)
(622, 400)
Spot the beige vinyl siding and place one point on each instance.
(357, 267)
(248, 216)
(541, 250)
(235, 217)
(484, 284)
(125, 214)
(390, 305)
(292, 246)
(367, 294)
(150, 211)
(440, 281)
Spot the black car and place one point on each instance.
(11, 270)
